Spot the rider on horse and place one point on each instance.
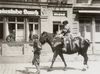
(66, 35)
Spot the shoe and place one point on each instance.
(64, 49)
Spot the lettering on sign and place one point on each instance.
(16, 11)
(60, 13)
(35, 12)
(11, 11)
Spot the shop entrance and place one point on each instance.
(33, 27)
(85, 28)
(57, 26)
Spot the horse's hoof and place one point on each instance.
(84, 69)
(65, 68)
(50, 69)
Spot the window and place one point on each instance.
(20, 26)
(35, 19)
(1, 18)
(20, 19)
(56, 26)
(60, 13)
(88, 28)
(11, 19)
(96, 1)
(30, 19)
(30, 27)
(85, 22)
(52, 1)
(1, 31)
(36, 26)
(97, 25)
(88, 25)
(82, 1)
(57, 1)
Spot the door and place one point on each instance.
(33, 29)
(85, 28)
(97, 30)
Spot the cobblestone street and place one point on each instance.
(73, 67)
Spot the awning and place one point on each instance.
(89, 11)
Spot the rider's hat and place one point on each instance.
(65, 22)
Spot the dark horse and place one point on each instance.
(57, 45)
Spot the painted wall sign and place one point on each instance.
(16, 11)
(60, 13)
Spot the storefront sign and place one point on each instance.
(16, 11)
(59, 13)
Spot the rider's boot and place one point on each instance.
(64, 49)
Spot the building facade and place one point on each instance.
(23, 18)
(87, 18)
(26, 17)
(20, 19)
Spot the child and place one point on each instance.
(36, 59)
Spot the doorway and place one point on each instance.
(85, 28)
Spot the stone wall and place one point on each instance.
(23, 53)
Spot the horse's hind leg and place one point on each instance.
(85, 61)
(53, 60)
(62, 57)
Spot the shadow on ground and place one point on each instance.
(59, 68)
(27, 70)
(32, 70)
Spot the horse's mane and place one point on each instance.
(48, 33)
(51, 37)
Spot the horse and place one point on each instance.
(57, 45)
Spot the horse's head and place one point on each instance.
(43, 37)
(46, 37)
(35, 36)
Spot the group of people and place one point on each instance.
(64, 33)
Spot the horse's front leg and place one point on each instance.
(85, 62)
(62, 57)
(53, 60)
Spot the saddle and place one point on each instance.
(57, 41)
(71, 43)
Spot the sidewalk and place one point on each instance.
(73, 68)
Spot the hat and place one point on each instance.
(65, 22)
